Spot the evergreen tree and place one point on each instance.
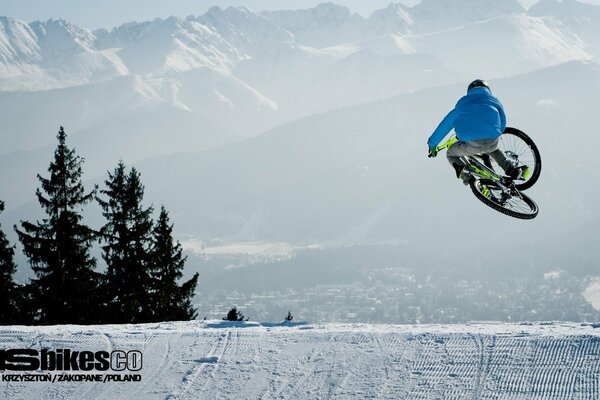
(171, 301)
(10, 312)
(289, 317)
(234, 315)
(58, 247)
(128, 237)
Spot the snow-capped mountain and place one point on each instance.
(581, 18)
(505, 45)
(248, 32)
(171, 45)
(396, 18)
(55, 53)
(325, 25)
(51, 54)
(565, 9)
(435, 15)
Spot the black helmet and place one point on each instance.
(478, 83)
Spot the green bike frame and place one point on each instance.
(476, 168)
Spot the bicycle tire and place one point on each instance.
(527, 210)
(518, 144)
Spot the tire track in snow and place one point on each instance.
(219, 360)
(212, 359)
(162, 365)
(76, 341)
(291, 389)
(97, 388)
(336, 362)
(486, 353)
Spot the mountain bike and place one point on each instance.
(489, 183)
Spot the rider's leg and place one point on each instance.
(500, 158)
(462, 149)
(474, 147)
(484, 146)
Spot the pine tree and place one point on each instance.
(171, 301)
(128, 237)
(10, 312)
(289, 317)
(234, 315)
(58, 247)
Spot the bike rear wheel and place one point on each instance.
(517, 204)
(521, 150)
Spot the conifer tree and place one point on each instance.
(58, 247)
(128, 239)
(289, 317)
(234, 315)
(171, 301)
(10, 312)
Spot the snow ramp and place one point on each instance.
(221, 360)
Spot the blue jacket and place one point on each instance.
(478, 115)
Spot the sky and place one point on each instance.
(93, 14)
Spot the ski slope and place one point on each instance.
(215, 359)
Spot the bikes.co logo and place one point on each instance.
(60, 360)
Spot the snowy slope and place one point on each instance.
(215, 359)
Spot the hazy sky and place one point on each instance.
(94, 14)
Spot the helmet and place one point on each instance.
(478, 83)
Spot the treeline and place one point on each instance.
(144, 265)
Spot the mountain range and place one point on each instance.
(305, 125)
(228, 63)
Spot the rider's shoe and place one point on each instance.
(458, 169)
(462, 173)
(465, 176)
(523, 172)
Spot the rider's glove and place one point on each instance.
(432, 152)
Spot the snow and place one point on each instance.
(249, 252)
(592, 294)
(248, 360)
(546, 103)
(436, 15)
(505, 45)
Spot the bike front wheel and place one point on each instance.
(514, 204)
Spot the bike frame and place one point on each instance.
(476, 168)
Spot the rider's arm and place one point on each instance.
(443, 128)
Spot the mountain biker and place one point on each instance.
(478, 120)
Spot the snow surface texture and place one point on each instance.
(216, 359)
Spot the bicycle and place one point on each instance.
(490, 184)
